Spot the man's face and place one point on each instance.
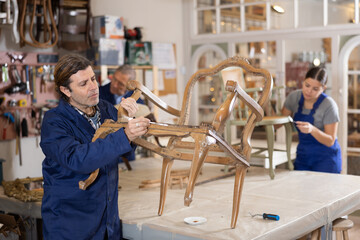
(118, 83)
(83, 91)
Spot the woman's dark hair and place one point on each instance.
(67, 66)
(317, 73)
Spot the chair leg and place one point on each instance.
(316, 234)
(127, 164)
(164, 182)
(288, 130)
(239, 182)
(270, 143)
(200, 153)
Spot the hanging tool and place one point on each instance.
(24, 128)
(19, 86)
(16, 57)
(5, 128)
(2, 99)
(28, 91)
(5, 72)
(18, 136)
(36, 131)
(10, 118)
(33, 79)
(22, 103)
(269, 216)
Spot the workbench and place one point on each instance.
(304, 201)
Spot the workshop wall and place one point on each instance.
(161, 21)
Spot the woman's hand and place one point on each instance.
(304, 127)
(130, 105)
(136, 127)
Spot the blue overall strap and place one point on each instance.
(317, 103)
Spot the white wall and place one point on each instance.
(32, 156)
(161, 21)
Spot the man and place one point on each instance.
(116, 90)
(70, 156)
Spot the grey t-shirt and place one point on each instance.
(326, 113)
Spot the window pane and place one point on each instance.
(206, 21)
(255, 17)
(310, 13)
(354, 91)
(354, 80)
(354, 130)
(354, 59)
(205, 3)
(260, 54)
(224, 2)
(283, 20)
(230, 19)
(340, 12)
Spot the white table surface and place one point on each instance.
(303, 200)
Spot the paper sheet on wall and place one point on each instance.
(149, 81)
(170, 74)
(163, 55)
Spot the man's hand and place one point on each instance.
(304, 127)
(136, 127)
(130, 105)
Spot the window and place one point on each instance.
(224, 16)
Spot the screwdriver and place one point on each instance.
(269, 216)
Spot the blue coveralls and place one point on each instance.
(312, 155)
(70, 156)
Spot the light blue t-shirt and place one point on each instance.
(118, 98)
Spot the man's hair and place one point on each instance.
(67, 66)
(127, 70)
(317, 73)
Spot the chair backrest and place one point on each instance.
(242, 63)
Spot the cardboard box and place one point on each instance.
(108, 27)
(108, 52)
(138, 53)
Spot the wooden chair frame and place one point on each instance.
(207, 138)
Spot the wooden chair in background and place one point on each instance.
(74, 23)
(207, 139)
(9, 13)
(270, 120)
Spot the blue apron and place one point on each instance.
(312, 155)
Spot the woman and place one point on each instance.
(316, 118)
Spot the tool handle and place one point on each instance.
(271, 216)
